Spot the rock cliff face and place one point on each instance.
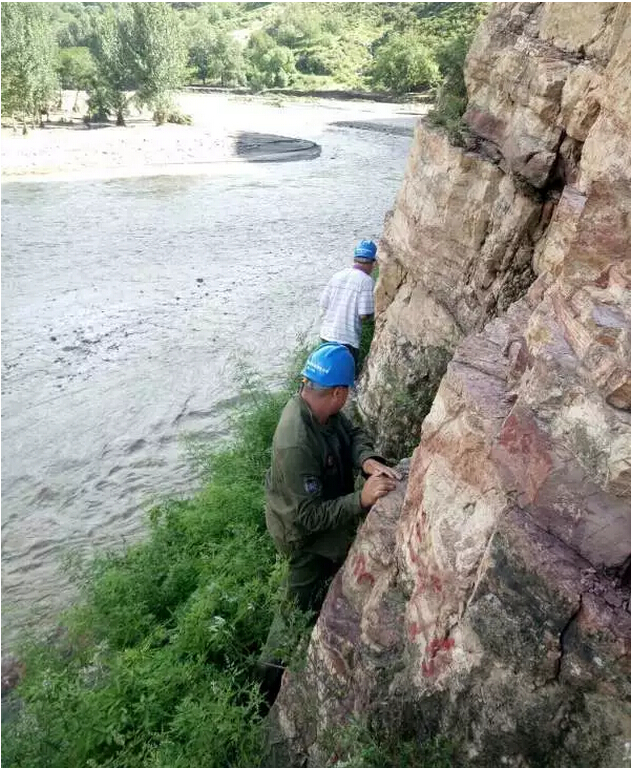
(488, 598)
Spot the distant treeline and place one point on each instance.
(109, 49)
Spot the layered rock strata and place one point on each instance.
(461, 242)
(487, 599)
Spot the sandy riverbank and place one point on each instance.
(226, 129)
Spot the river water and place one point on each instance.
(127, 307)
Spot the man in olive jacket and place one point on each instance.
(312, 509)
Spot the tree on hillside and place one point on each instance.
(215, 55)
(29, 79)
(404, 64)
(271, 65)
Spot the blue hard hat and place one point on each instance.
(330, 365)
(366, 250)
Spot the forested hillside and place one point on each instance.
(153, 48)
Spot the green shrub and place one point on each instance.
(270, 65)
(404, 63)
(368, 331)
(363, 743)
(76, 68)
(156, 665)
(451, 100)
(179, 119)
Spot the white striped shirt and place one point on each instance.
(347, 297)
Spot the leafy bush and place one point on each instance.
(76, 68)
(404, 64)
(271, 65)
(179, 119)
(451, 101)
(156, 665)
(361, 743)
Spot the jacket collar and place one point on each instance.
(310, 418)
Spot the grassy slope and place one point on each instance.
(155, 667)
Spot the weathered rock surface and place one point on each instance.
(458, 247)
(456, 250)
(488, 598)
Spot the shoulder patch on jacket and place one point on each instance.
(312, 484)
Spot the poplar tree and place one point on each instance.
(29, 79)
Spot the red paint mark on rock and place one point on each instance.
(428, 668)
(435, 663)
(359, 565)
(437, 584)
(362, 575)
(366, 578)
(440, 644)
(525, 450)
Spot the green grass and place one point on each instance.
(156, 665)
(358, 743)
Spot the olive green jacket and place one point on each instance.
(311, 502)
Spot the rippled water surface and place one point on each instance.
(125, 306)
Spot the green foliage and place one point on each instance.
(153, 47)
(156, 665)
(29, 79)
(451, 101)
(328, 41)
(216, 56)
(405, 64)
(368, 331)
(139, 45)
(76, 68)
(361, 743)
(270, 65)
(159, 53)
(74, 23)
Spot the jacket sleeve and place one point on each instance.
(301, 482)
(361, 445)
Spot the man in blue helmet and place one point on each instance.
(347, 300)
(312, 508)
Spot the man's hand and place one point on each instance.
(374, 467)
(374, 488)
